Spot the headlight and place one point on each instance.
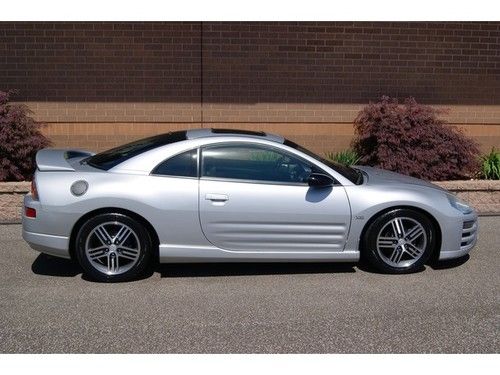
(459, 205)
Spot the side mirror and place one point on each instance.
(320, 180)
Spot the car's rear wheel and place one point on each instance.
(399, 241)
(113, 247)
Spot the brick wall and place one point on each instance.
(102, 62)
(319, 64)
(100, 84)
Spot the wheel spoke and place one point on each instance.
(414, 233)
(398, 228)
(127, 256)
(103, 235)
(97, 254)
(396, 255)
(90, 251)
(112, 263)
(122, 235)
(413, 251)
(129, 249)
(128, 252)
(387, 242)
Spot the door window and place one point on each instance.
(255, 163)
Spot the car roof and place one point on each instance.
(203, 133)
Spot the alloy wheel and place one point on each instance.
(401, 242)
(112, 248)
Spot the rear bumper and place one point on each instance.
(35, 231)
(47, 243)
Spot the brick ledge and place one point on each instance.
(470, 185)
(483, 195)
(15, 187)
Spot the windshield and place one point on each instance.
(352, 174)
(111, 158)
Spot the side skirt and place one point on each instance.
(201, 254)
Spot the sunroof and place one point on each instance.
(237, 131)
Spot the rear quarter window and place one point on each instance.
(181, 165)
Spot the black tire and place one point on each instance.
(141, 236)
(381, 257)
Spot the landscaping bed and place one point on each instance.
(483, 195)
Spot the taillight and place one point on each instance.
(34, 192)
(30, 212)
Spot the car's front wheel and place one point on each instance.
(399, 241)
(113, 247)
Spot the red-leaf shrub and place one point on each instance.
(20, 139)
(412, 140)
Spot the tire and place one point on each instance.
(113, 247)
(399, 241)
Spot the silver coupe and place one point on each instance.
(217, 195)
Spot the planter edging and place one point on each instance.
(483, 195)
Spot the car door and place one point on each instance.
(255, 197)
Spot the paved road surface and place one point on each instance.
(46, 306)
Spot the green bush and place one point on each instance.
(345, 157)
(490, 165)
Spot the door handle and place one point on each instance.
(216, 197)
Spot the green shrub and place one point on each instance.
(490, 165)
(345, 157)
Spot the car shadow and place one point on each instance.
(368, 268)
(47, 265)
(450, 263)
(250, 269)
(52, 266)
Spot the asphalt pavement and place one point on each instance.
(46, 306)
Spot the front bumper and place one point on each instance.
(460, 238)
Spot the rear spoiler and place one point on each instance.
(51, 159)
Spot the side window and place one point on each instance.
(251, 162)
(183, 165)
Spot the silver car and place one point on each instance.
(216, 195)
